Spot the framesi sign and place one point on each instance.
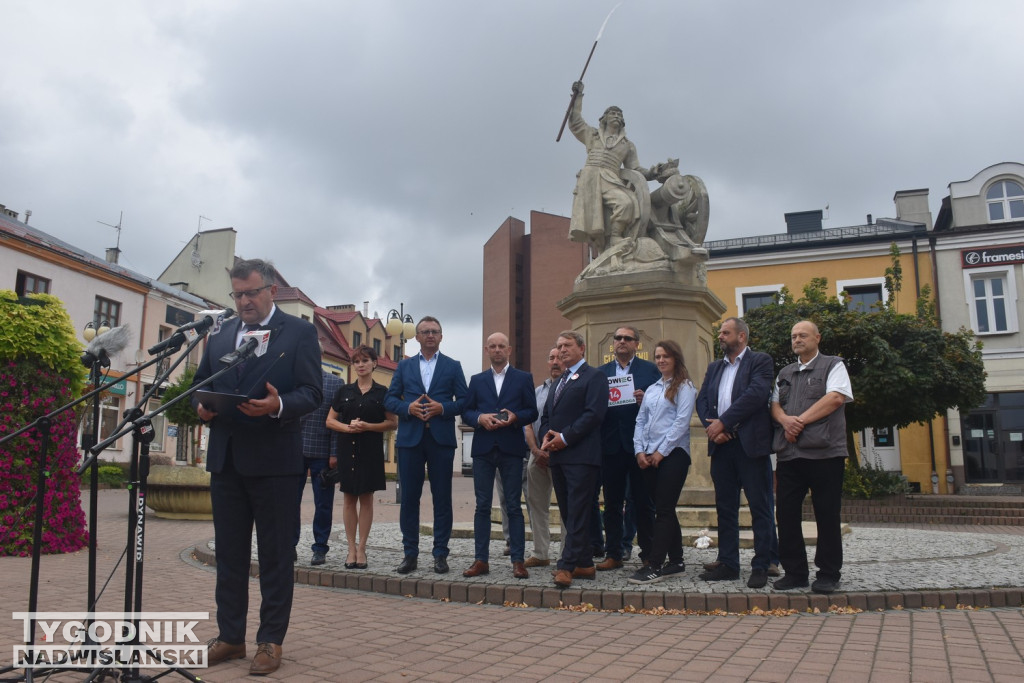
(992, 256)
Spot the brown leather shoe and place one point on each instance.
(608, 564)
(477, 568)
(536, 562)
(584, 573)
(218, 651)
(267, 659)
(519, 570)
(563, 579)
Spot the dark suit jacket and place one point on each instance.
(517, 396)
(264, 446)
(447, 387)
(749, 416)
(620, 421)
(577, 417)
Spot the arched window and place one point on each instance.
(1005, 201)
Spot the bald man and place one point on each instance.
(499, 403)
(809, 409)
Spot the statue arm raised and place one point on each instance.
(577, 125)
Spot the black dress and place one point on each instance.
(361, 456)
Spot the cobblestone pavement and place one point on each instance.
(346, 635)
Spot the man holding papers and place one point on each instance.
(628, 376)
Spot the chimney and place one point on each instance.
(803, 221)
(28, 214)
(869, 219)
(112, 254)
(912, 205)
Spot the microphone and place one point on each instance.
(254, 343)
(211, 320)
(106, 345)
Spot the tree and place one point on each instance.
(903, 367)
(182, 413)
(40, 371)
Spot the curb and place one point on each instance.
(534, 596)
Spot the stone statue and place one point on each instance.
(629, 227)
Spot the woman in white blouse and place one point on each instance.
(662, 444)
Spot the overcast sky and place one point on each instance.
(371, 148)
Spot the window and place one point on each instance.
(396, 353)
(749, 298)
(357, 339)
(1005, 201)
(992, 299)
(107, 310)
(864, 293)
(27, 283)
(376, 347)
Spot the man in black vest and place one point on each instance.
(808, 406)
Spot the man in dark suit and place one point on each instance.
(426, 393)
(500, 401)
(255, 460)
(619, 469)
(571, 425)
(733, 407)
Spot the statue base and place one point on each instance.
(660, 306)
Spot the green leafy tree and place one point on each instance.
(40, 371)
(903, 368)
(182, 413)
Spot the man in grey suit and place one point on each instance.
(426, 393)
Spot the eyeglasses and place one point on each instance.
(622, 337)
(249, 293)
(430, 333)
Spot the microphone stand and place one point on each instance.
(141, 427)
(43, 426)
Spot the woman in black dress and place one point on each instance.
(358, 414)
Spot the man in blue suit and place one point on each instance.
(571, 425)
(256, 462)
(619, 470)
(426, 393)
(733, 407)
(499, 403)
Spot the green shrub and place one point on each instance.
(868, 481)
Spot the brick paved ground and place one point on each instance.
(342, 635)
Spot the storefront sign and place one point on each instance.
(992, 256)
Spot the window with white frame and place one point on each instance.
(992, 300)
(864, 293)
(749, 298)
(159, 425)
(1005, 201)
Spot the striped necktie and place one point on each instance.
(561, 385)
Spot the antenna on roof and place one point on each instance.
(197, 259)
(112, 254)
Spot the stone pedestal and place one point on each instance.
(662, 306)
(179, 492)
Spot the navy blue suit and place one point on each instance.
(255, 465)
(499, 450)
(426, 446)
(619, 471)
(576, 469)
(742, 462)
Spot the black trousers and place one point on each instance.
(574, 490)
(666, 482)
(618, 470)
(824, 479)
(268, 503)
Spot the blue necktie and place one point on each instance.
(561, 385)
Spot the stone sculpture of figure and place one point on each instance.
(605, 210)
(628, 226)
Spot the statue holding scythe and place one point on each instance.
(629, 226)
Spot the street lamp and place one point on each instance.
(399, 325)
(91, 330)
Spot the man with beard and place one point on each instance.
(733, 407)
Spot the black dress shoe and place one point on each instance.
(441, 565)
(758, 578)
(408, 565)
(789, 582)
(720, 573)
(825, 585)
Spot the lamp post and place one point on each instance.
(399, 324)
